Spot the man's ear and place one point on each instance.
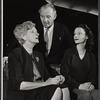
(86, 37)
(55, 16)
(24, 37)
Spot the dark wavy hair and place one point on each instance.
(90, 41)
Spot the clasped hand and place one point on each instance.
(59, 79)
(86, 86)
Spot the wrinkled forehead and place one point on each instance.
(47, 10)
(79, 30)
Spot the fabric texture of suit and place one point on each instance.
(21, 69)
(61, 40)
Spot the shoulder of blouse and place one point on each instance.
(70, 50)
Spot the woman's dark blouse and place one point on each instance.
(21, 69)
(76, 70)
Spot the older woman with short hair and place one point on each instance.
(28, 76)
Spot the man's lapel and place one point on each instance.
(55, 37)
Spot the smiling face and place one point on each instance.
(47, 16)
(32, 36)
(80, 35)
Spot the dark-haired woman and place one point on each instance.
(79, 65)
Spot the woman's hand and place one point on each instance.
(86, 86)
(51, 81)
(61, 79)
(91, 87)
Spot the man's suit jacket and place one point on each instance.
(21, 69)
(61, 40)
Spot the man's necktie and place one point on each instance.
(46, 38)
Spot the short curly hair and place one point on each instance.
(21, 30)
(90, 41)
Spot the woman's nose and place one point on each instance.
(75, 35)
(37, 34)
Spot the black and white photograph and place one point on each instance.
(50, 50)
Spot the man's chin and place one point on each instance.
(46, 26)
